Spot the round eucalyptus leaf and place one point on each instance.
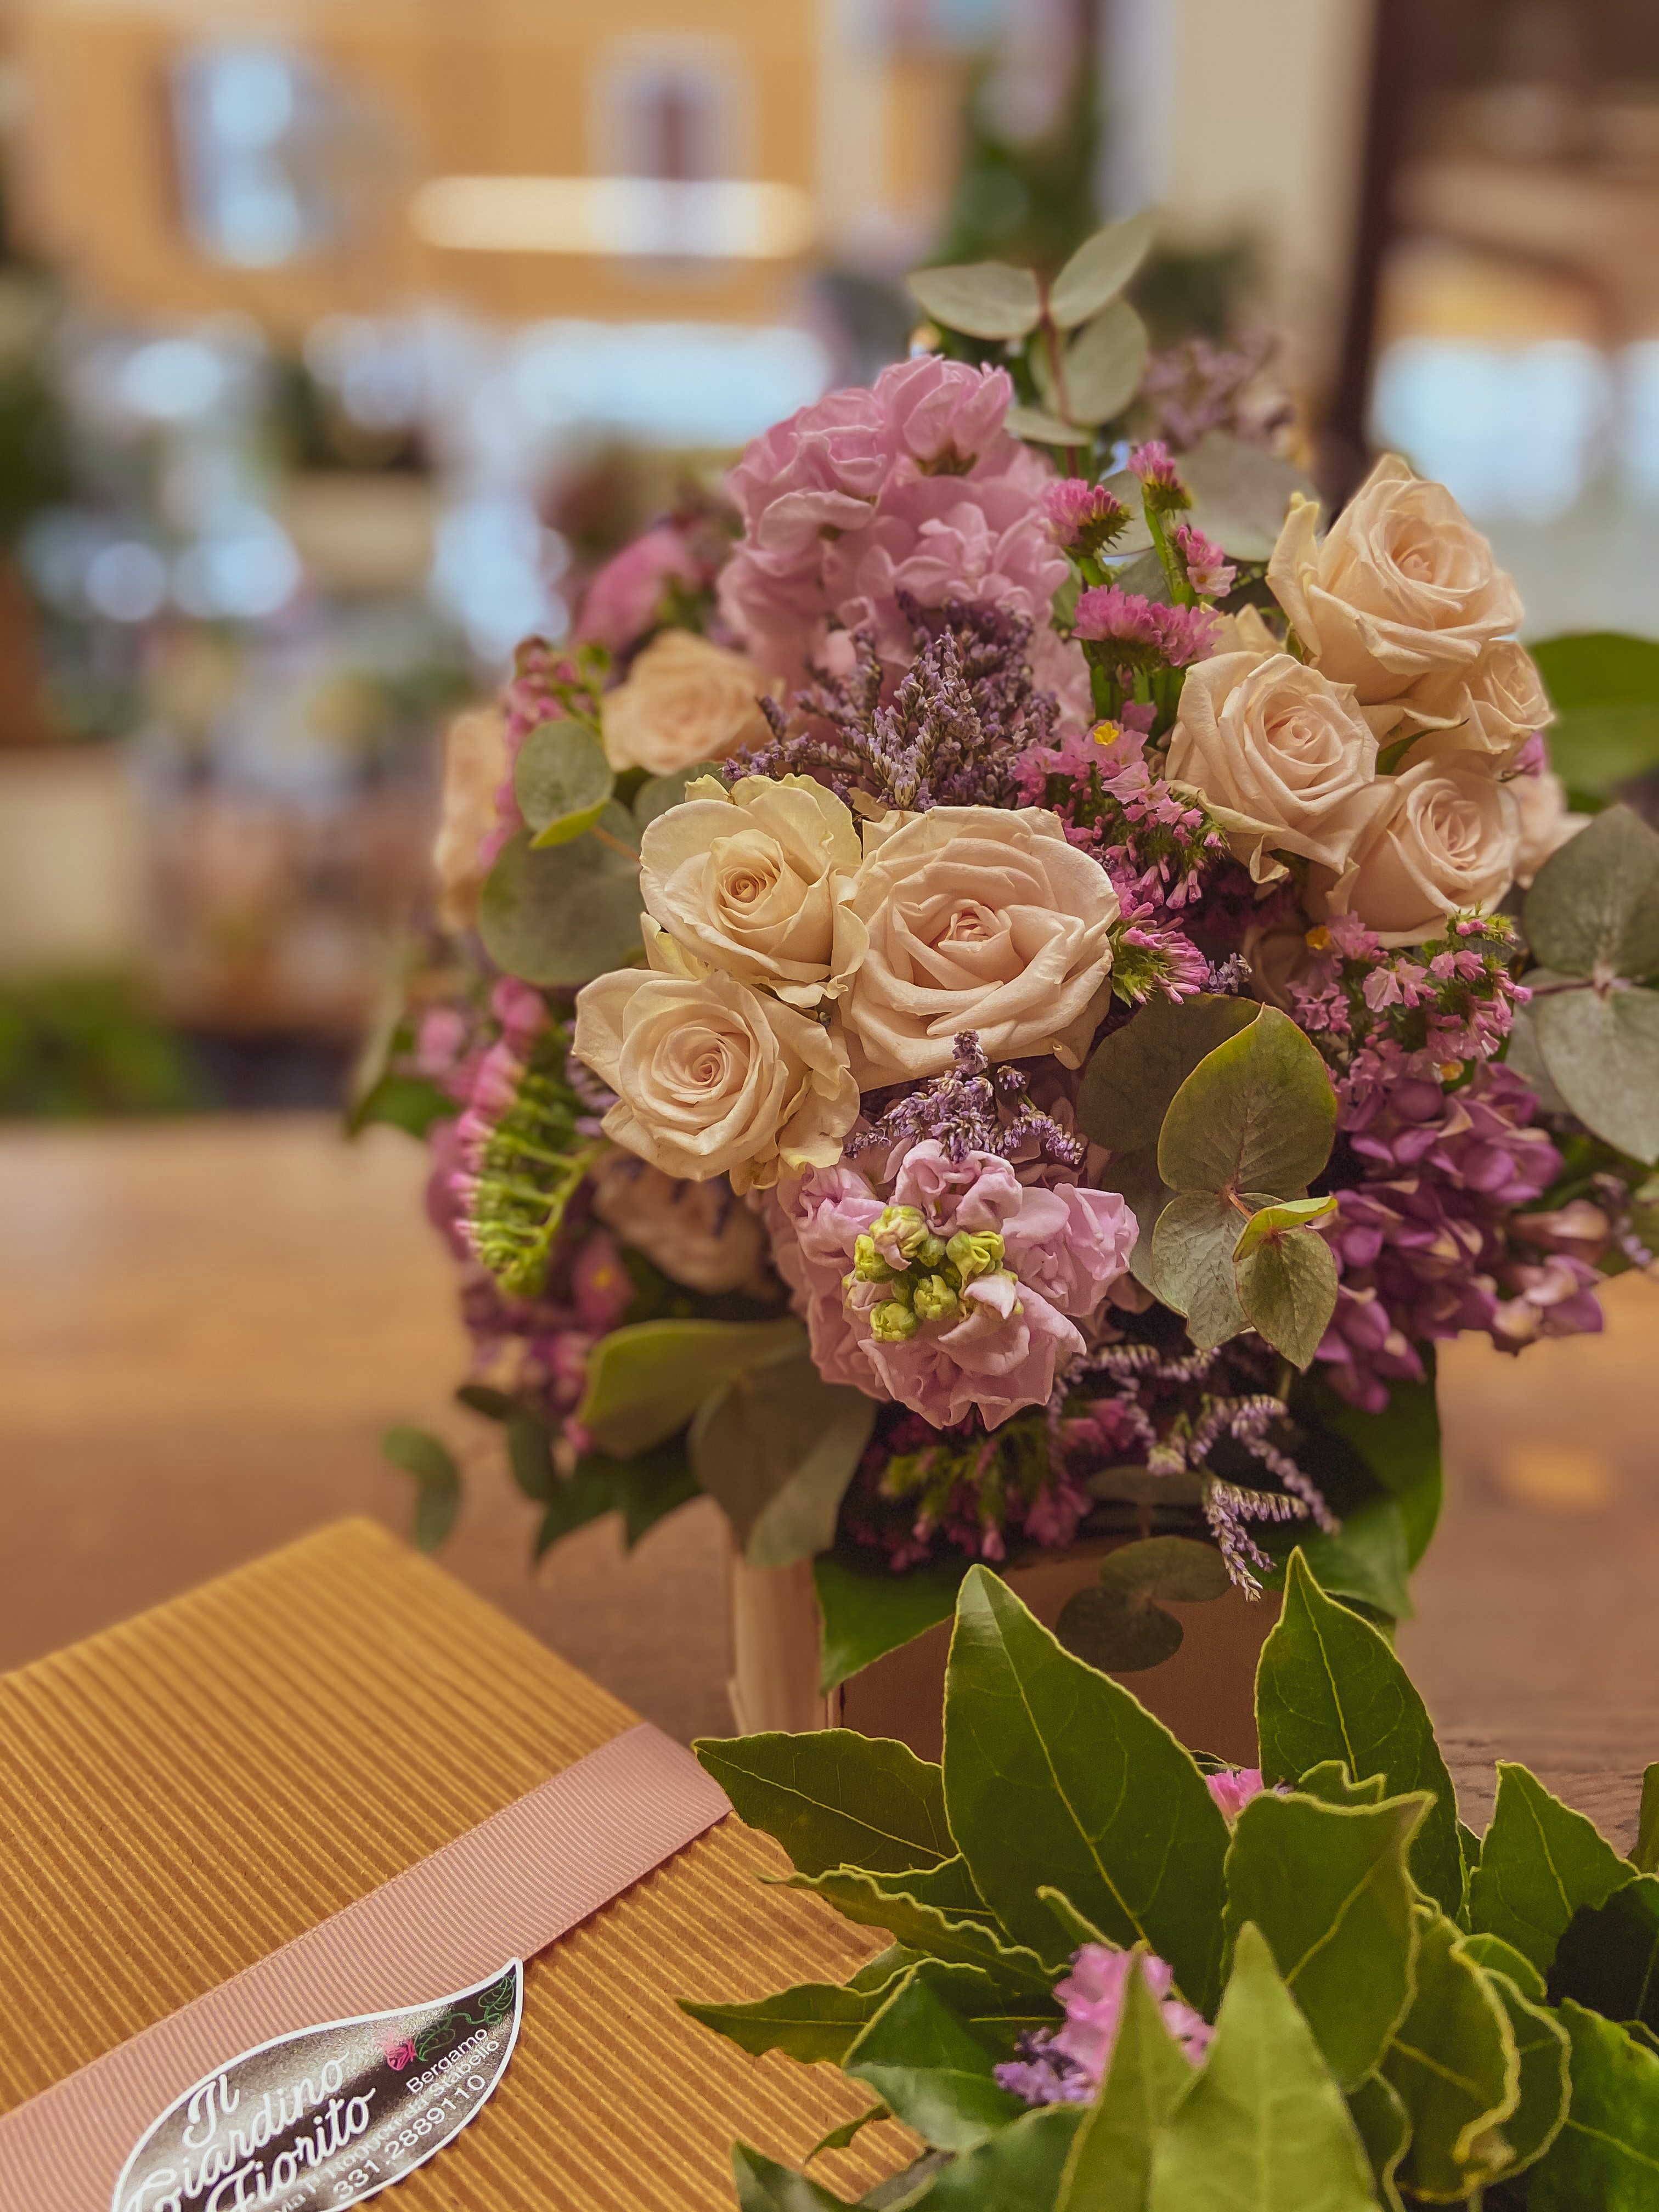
(647, 1379)
(1257, 1114)
(1138, 1486)
(659, 792)
(1135, 1177)
(1594, 908)
(981, 299)
(1273, 1220)
(1178, 1569)
(1287, 1286)
(1241, 493)
(563, 913)
(561, 781)
(1104, 363)
(1099, 269)
(1602, 1051)
(1135, 1071)
(1120, 1632)
(776, 1448)
(1193, 1266)
(1045, 429)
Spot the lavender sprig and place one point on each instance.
(974, 1109)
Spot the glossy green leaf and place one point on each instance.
(1329, 1687)
(647, 1380)
(1117, 1625)
(1646, 1853)
(1193, 1267)
(587, 1493)
(530, 1456)
(930, 2071)
(1019, 2170)
(763, 2186)
(652, 1485)
(1367, 1558)
(1075, 1926)
(1134, 1073)
(776, 1448)
(1602, 1051)
(1104, 364)
(1257, 1114)
(875, 1900)
(1385, 2130)
(1608, 1956)
(1332, 1783)
(562, 781)
(1099, 269)
(834, 1798)
(839, 2138)
(1055, 1774)
(1264, 2128)
(1541, 2046)
(1328, 1887)
(1495, 1956)
(1606, 2158)
(949, 1886)
(981, 299)
(438, 1500)
(1241, 493)
(866, 1612)
(568, 912)
(1110, 2165)
(1594, 908)
(818, 2020)
(1454, 2065)
(1287, 1286)
(1540, 1862)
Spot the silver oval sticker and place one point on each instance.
(327, 2117)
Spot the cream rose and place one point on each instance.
(1402, 587)
(1545, 824)
(475, 766)
(684, 701)
(713, 1077)
(972, 918)
(1495, 708)
(1442, 840)
(692, 1230)
(1278, 754)
(746, 878)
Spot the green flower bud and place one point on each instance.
(893, 1323)
(930, 1251)
(902, 1225)
(868, 1266)
(934, 1299)
(974, 1252)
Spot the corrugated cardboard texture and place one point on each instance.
(185, 1792)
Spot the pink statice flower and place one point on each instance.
(1150, 635)
(1233, 1788)
(1081, 515)
(959, 1296)
(1209, 572)
(1066, 2065)
(915, 486)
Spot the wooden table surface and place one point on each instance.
(206, 1325)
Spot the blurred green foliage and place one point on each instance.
(73, 1048)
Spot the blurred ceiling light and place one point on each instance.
(169, 379)
(127, 581)
(727, 220)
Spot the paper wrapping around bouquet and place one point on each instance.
(183, 1795)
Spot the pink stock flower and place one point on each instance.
(913, 485)
(1066, 2065)
(624, 599)
(1209, 572)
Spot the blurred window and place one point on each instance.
(671, 111)
(249, 123)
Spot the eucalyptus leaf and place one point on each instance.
(1053, 1774)
(1287, 1286)
(1608, 1956)
(587, 1493)
(867, 1612)
(816, 2021)
(776, 1448)
(1193, 1269)
(568, 912)
(1135, 1175)
(1117, 1625)
(1385, 2129)
(562, 781)
(658, 793)
(438, 1500)
(1104, 364)
(1602, 1051)
(1541, 1862)
(1328, 1686)
(1454, 2065)
(1241, 493)
(1257, 1114)
(981, 299)
(1328, 1889)
(1019, 2170)
(931, 2071)
(1134, 1073)
(1264, 2128)
(529, 1456)
(763, 2186)
(1099, 269)
(1593, 907)
(834, 1798)
(1589, 668)
(1607, 2156)
(1110, 2165)
(647, 1380)
(1275, 1220)
(873, 1901)
(1042, 428)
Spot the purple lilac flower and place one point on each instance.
(1066, 2065)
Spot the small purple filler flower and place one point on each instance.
(1066, 2065)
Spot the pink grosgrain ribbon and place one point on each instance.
(506, 1889)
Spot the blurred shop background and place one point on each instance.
(339, 342)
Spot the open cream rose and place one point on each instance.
(684, 701)
(746, 878)
(1494, 707)
(1279, 755)
(972, 918)
(1402, 587)
(1444, 839)
(713, 1077)
(476, 765)
(691, 1230)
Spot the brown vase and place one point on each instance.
(1205, 1692)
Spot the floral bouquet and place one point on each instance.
(996, 1002)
